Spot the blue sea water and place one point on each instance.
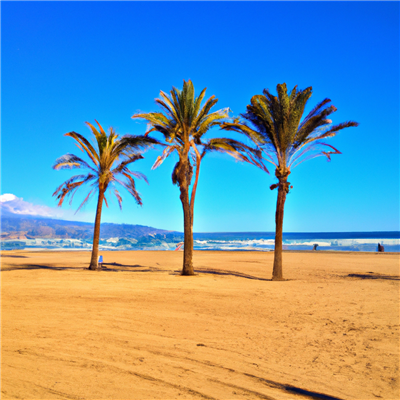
(333, 241)
(226, 241)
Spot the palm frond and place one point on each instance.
(188, 93)
(293, 94)
(210, 103)
(328, 153)
(338, 127)
(168, 106)
(69, 187)
(154, 118)
(131, 144)
(105, 201)
(316, 122)
(315, 110)
(101, 136)
(213, 119)
(252, 134)
(315, 151)
(122, 166)
(112, 159)
(138, 175)
(67, 191)
(119, 198)
(71, 161)
(175, 99)
(236, 149)
(68, 181)
(86, 179)
(90, 151)
(198, 101)
(131, 187)
(85, 200)
(160, 159)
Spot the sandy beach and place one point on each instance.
(139, 330)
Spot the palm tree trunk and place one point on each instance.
(277, 274)
(96, 234)
(188, 233)
(194, 189)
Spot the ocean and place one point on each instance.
(333, 241)
(226, 241)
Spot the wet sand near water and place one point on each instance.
(139, 330)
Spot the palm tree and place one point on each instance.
(109, 165)
(275, 125)
(183, 123)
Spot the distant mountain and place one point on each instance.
(16, 226)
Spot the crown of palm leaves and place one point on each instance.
(185, 120)
(274, 124)
(108, 164)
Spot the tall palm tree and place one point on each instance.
(108, 165)
(183, 123)
(274, 123)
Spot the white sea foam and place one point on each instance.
(347, 242)
(355, 244)
(309, 243)
(239, 242)
(112, 240)
(260, 242)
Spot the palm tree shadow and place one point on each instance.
(294, 389)
(114, 264)
(373, 275)
(214, 271)
(308, 393)
(35, 266)
(110, 267)
(12, 256)
(106, 267)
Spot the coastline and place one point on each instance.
(231, 241)
(67, 250)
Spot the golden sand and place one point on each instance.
(139, 330)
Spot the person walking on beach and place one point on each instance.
(381, 249)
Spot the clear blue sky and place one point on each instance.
(64, 63)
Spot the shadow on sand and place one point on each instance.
(373, 275)
(225, 272)
(105, 268)
(35, 266)
(294, 389)
(11, 256)
(111, 267)
(307, 393)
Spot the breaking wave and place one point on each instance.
(213, 242)
(228, 241)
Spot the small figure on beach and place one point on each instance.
(315, 246)
(381, 249)
(179, 246)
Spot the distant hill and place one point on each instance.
(14, 226)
